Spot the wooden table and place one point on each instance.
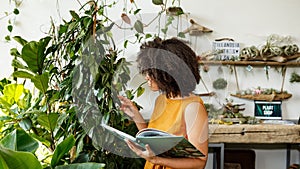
(266, 134)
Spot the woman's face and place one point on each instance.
(151, 83)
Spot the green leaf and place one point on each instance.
(164, 30)
(17, 64)
(10, 159)
(25, 124)
(4, 82)
(5, 105)
(105, 30)
(13, 92)
(14, 52)
(61, 149)
(157, 2)
(87, 21)
(129, 94)
(148, 36)
(136, 11)
(181, 35)
(139, 27)
(14, 98)
(3, 164)
(140, 91)
(16, 11)
(22, 74)
(74, 15)
(49, 121)
(105, 78)
(19, 140)
(125, 43)
(63, 29)
(41, 81)
(82, 166)
(10, 28)
(34, 53)
(42, 139)
(7, 38)
(20, 40)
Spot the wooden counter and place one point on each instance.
(221, 136)
(262, 134)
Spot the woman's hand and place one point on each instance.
(128, 107)
(147, 154)
(132, 111)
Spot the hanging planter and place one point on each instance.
(262, 94)
(295, 78)
(220, 84)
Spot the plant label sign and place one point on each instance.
(267, 110)
(227, 50)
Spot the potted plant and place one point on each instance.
(75, 68)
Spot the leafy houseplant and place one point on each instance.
(78, 72)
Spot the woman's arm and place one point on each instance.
(196, 120)
(132, 111)
(180, 163)
(197, 131)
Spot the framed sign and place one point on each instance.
(267, 110)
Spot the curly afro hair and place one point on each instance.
(172, 64)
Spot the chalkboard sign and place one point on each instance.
(267, 110)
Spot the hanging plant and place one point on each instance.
(219, 84)
(295, 78)
(12, 17)
(157, 2)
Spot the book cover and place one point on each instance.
(162, 143)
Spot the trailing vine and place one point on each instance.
(11, 17)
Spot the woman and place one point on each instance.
(170, 67)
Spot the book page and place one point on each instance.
(119, 133)
(150, 132)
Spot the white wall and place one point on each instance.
(247, 22)
(250, 23)
(31, 24)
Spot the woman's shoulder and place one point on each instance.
(161, 97)
(188, 99)
(194, 98)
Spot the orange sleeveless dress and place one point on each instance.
(168, 115)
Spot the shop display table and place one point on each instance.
(261, 135)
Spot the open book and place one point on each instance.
(161, 143)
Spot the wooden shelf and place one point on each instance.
(265, 97)
(256, 63)
(252, 63)
(290, 61)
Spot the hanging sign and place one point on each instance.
(227, 50)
